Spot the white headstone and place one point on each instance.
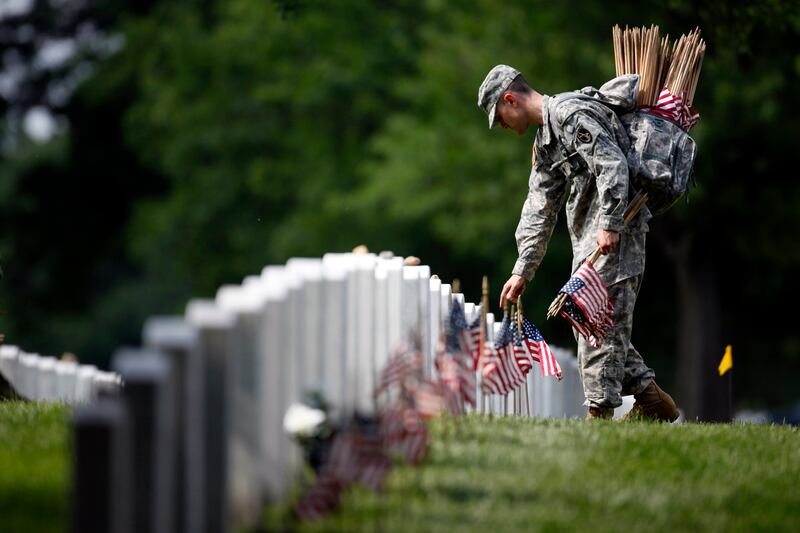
(215, 329)
(381, 319)
(45, 379)
(106, 383)
(364, 363)
(177, 340)
(275, 445)
(66, 381)
(446, 297)
(411, 314)
(436, 320)
(102, 473)
(46, 389)
(394, 303)
(334, 331)
(84, 383)
(309, 367)
(149, 395)
(571, 387)
(246, 304)
(424, 323)
(348, 263)
(627, 405)
(9, 361)
(28, 376)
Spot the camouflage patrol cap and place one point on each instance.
(496, 82)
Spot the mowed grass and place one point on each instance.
(496, 475)
(34, 467)
(514, 474)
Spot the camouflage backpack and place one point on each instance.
(661, 156)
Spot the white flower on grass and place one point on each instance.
(302, 421)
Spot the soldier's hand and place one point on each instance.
(606, 240)
(512, 290)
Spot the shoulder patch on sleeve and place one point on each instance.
(583, 135)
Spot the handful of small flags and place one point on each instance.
(362, 453)
(588, 307)
(584, 299)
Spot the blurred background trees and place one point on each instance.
(152, 151)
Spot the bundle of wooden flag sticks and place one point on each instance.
(668, 75)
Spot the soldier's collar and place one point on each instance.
(545, 127)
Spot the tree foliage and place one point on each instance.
(227, 135)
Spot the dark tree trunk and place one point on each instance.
(700, 392)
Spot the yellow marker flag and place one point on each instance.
(727, 360)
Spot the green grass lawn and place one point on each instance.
(512, 474)
(497, 475)
(34, 467)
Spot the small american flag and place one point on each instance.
(431, 399)
(501, 371)
(455, 360)
(591, 312)
(463, 337)
(320, 500)
(405, 433)
(538, 350)
(342, 462)
(357, 456)
(373, 464)
(457, 376)
(405, 363)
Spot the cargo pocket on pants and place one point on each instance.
(612, 376)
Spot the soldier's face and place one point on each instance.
(510, 114)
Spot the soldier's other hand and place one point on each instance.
(512, 290)
(606, 240)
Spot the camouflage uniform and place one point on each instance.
(583, 145)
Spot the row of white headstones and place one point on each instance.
(45, 378)
(195, 440)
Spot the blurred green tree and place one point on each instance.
(241, 133)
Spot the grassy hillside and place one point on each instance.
(34, 467)
(521, 475)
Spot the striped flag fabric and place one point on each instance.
(672, 107)
(458, 376)
(538, 350)
(432, 399)
(357, 456)
(404, 433)
(406, 362)
(373, 464)
(455, 362)
(342, 462)
(588, 307)
(463, 337)
(321, 499)
(501, 371)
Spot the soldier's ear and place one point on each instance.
(510, 98)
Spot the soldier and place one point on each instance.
(582, 144)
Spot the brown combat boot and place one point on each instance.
(600, 412)
(654, 404)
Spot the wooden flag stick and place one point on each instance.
(484, 332)
(519, 330)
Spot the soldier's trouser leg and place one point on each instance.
(614, 369)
